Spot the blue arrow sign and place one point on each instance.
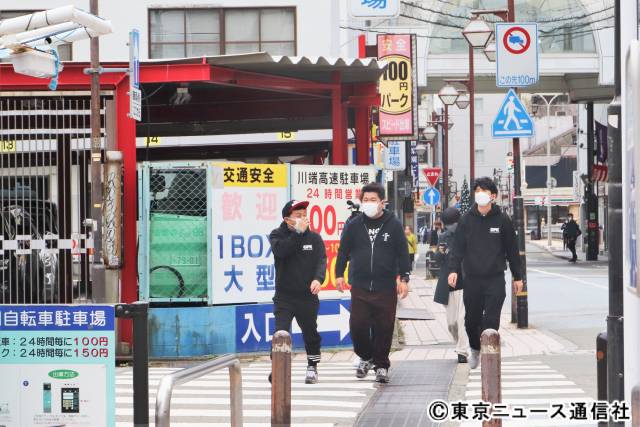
(255, 325)
(512, 120)
(431, 196)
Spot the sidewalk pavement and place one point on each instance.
(557, 250)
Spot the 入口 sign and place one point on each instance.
(397, 86)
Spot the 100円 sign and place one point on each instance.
(58, 364)
(397, 86)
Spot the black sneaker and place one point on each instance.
(462, 358)
(363, 368)
(382, 376)
(312, 375)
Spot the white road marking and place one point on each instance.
(507, 384)
(530, 391)
(525, 377)
(266, 413)
(596, 285)
(212, 401)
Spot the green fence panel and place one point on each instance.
(178, 256)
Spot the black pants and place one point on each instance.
(571, 245)
(305, 311)
(483, 299)
(377, 311)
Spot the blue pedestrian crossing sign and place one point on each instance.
(512, 120)
(431, 196)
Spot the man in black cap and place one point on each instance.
(301, 263)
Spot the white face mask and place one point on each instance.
(370, 209)
(482, 198)
(299, 227)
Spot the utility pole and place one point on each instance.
(590, 197)
(615, 326)
(97, 267)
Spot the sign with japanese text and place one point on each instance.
(415, 168)
(395, 156)
(255, 326)
(432, 175)
(398, 87)
(328, 190)
(374, 8)
(58, 365)
(517, 54)
(246, 207)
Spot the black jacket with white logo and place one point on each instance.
(299, 259)
(483, 244)
(373, 266)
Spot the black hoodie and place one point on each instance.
(375, 265)
(299, 259)
(483, 244)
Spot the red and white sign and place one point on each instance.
(328, 190)
(517, 54)
(432, 175)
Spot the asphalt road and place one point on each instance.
(569, 301)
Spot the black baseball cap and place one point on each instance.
(293, 205)
(450, 216)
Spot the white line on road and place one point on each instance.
(564, 276)
(265, 384)
(120, 391)
(530, 391)
(211, 401)
(264, 413)
(509, 384)
(188, 424)
(530, 362)
(525, 377)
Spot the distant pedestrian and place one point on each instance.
(377, 250)
(435, 234)
(300, 262)
(485, 239)
(412, 241)
(572, 231)
(447, 295)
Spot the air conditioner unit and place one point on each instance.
(34, 63)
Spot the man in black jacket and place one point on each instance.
(485, 239)
(571, 230)
(377, 250)
(301, 263)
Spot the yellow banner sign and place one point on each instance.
(150, 141)
(286, 136)
(254, 175)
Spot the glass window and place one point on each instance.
(188, 32)
(479, 156)
(197, 32)
(479, 130)
(64, 50)
(478, 105)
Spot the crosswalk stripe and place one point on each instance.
(264, 373)
(530, 392)
(523, 377)
(210, 401)
(225, 392)
(262, 377)
(200, 412)
(353, 385)
(535, 422)
(509, 384)
(530, 362)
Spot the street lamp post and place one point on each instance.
(549, 180)
(448, 95)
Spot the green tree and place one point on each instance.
(465, 197)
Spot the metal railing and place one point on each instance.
(165, 389)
